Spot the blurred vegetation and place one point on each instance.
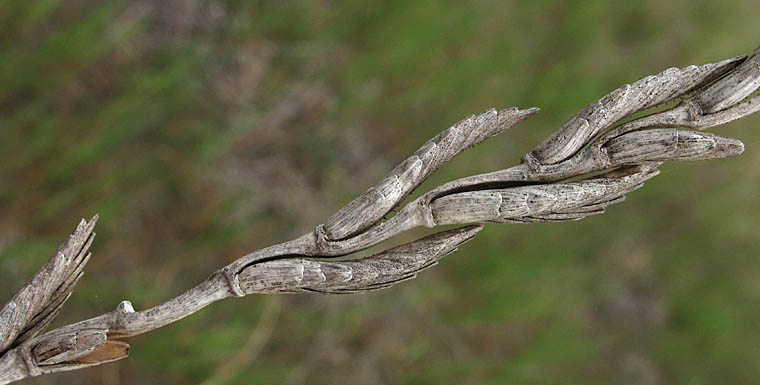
(203, 130)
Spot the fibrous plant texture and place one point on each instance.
(598, 156)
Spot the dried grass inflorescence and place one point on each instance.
(605, 160)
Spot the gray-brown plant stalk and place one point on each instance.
(606, 160)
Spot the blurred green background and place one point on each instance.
(202, 130)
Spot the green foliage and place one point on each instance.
(199, 138)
